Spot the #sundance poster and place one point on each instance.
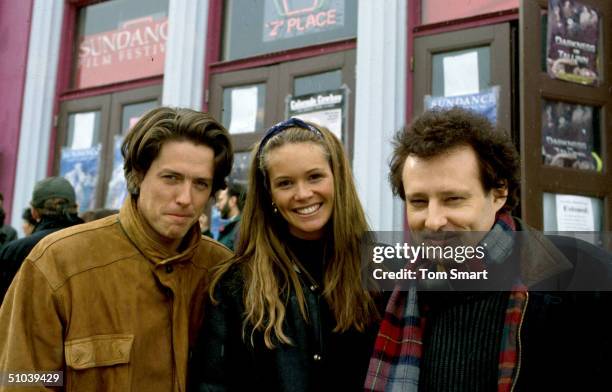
(80, 167)
(484, 102)
(117, 186)
(572, 38)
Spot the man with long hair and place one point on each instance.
(115, 303)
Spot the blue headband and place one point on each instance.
(283, 125)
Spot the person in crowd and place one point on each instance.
(230, 202)
(7, 232)
(115, 303)
(97, 213)
(290, 312)
(53, 206)
(457, 174)
(205, 226)
(28, 223)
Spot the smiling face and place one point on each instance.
(445, 193)
(302, 187)
(175, 189)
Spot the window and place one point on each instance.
(90, 132)
(263, 26)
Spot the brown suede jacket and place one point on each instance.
(108, 306)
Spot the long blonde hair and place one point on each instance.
(266, 263)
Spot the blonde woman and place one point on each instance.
(290, 312)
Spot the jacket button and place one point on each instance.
(316, 357)
(169, 269)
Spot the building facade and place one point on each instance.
(77, 74)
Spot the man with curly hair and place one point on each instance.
(459, 177)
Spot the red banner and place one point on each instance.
(135, 50)
(434, 11)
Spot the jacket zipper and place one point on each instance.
(518, 364)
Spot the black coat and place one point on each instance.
(14, 253)
(566, 338)
(318, 360)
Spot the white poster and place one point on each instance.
(244, 110)
(83, 134)
(574, 213)
(331, 119)
(461, 74)
(325, 108)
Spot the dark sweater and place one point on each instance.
(462, 341)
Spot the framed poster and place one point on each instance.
(572, 41)
(568, 137)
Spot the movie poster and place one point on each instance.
(567, 136)
(117, 187)
(80, 167)
(325, 108)
(484, 102)
(572, 39)
(240, 169)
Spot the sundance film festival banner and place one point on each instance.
(135, 50)
(484, 102)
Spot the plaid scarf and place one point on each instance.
(395, 362)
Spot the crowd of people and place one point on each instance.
(142, 300)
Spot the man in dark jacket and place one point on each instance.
(54, 207)
(230, 202)
(539, 329)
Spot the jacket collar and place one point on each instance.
(141, 236)
(539, 258)
(47, 223)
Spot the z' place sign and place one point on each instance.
(292, 18)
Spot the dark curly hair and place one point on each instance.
(440, 130)
(144, 142)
